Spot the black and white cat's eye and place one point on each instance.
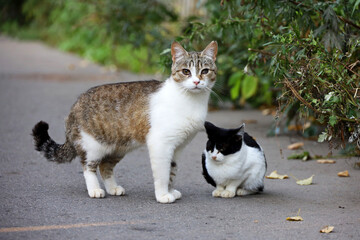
(186, 71)
(205, 71)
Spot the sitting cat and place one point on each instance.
(233, 162)
(110, 120)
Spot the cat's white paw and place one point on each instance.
(243, 192)
(176, 194)
(166, 198)
(217, 193)
(96, 193)
(227, 194)
(116, 191)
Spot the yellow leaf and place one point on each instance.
(307, 181)
(344, 174)
(295, 145)
(275, 175)
(327, 229)
(296, 218)
(325, 161)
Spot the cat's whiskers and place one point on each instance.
(215, 94)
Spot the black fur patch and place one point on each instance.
(205, 173)
(52, 151)
(40, 134)
(249, 141)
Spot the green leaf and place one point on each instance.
(332, 120)
(303, 156)
(355, 6)
(235, 77)
(249, 86)
(322, 137)
(235, 90)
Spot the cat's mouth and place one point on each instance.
(196, 89)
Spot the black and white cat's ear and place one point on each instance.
(209, 127)
(210, 51)
(177, 51)
(241, 130)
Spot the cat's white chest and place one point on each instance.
(229, 169)
(174, 113)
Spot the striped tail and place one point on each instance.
(60, 153)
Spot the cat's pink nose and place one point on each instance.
(213, 157)
(197, 82)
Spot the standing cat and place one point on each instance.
(233, 162)
(108, 121)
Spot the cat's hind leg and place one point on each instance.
(106, 168)
(92, 152)
(91, 180)
(244, 192)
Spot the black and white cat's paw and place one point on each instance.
(227, 194)
(244, 192)
(116, 190)
(217, 192)
(96, 193)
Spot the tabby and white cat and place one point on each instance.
(108, 121)
(233, 162)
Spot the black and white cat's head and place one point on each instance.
(222, 141)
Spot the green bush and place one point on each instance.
(125, 33)
(309, 50)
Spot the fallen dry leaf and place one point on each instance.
(307, 181)
(250, 121)
(266, 111)
(327, 229)
(296, 218)
(295, 127)
(275, 175)
(295, 145)
(344, 174)
(325, 161)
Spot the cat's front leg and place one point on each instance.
(230, 190)
(160, 157)
(218, 191)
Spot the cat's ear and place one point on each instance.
(210, 51)
(177, 51)
(209, 127)
(241, 130)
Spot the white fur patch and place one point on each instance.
(95, 150)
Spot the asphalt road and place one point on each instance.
(43, 200)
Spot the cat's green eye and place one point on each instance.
(186, 72)
(205, 71)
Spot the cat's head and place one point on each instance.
(222, 141)
(194, 71)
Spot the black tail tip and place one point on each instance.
(40, 134)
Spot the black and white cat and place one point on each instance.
(233, 162)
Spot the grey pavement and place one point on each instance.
(43, 200)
